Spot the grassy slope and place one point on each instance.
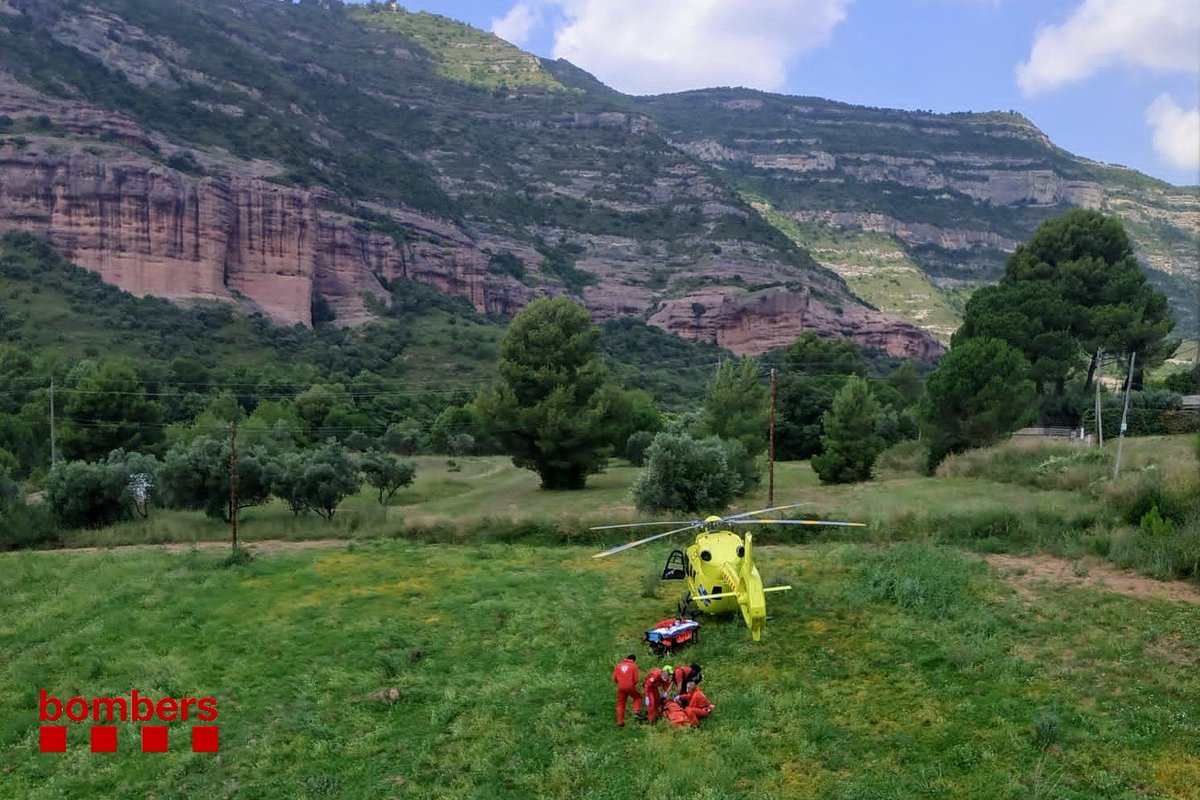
(490, 488)
(63, 313)
(877, 269)
(463, 53)
(502, 656)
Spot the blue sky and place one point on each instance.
(1112, 80)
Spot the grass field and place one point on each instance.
(487, 490)
(887, 673)
(459, 645)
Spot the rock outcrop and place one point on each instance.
(749, 324)
(152, 230)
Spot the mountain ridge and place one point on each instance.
(320, 174)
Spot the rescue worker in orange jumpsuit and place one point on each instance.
(625, 674)
(677, 714)
(696, 705)
(656, 685)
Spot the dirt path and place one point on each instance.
(263, 546)
(1024, 573)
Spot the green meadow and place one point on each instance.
(907, 671)
(459, 642)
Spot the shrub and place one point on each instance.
(636, 446)
(1047, 729)
(386, 473)
(197, 475)
(237, 557)
(22, 524)
(1159, 547)
(1037, 464)
(403, 437)
(318, 479)
(849, 444)
(84, 495)
(745, 466)
(683, 474)
(1176, 503)
(904, 459)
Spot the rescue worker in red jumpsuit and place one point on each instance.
(625, 674)
(656, 685)
(689, 673)
(677, 715)
(696, 705)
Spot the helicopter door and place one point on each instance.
(675, 568)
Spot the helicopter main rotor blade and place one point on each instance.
(798, 522)
(641, 524)
(613, 550)
(764, 511)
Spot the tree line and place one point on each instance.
(1027, 351)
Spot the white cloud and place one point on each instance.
(655, 46)
(1176, 132)
(518, 23)
(1160, 35)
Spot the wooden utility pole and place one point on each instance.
(1124, 415)
(233, 505)
(1099, 408)
(53, 438)
(771, 445)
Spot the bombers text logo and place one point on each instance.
(138, 708)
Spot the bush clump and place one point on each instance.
(23, 524)
(930, 581)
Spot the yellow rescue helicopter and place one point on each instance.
(719, 565)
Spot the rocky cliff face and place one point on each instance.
(279, 154)
(958, 191)
(774, 319)
(93, 184)
(152, 230)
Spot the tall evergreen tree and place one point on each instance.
(849, 441)
(979, 391)
(736, 405)
(814, 370)
(549, 412)
(1073, 288)
(108, 409)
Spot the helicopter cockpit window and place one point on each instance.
(741, 551)
(705, 555)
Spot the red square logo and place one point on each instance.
(154, 739)
(52, 738)
(104, 738)
(205, 738)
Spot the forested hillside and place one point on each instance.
(302, 157)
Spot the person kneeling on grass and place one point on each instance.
(658, 680)
(696, 705)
